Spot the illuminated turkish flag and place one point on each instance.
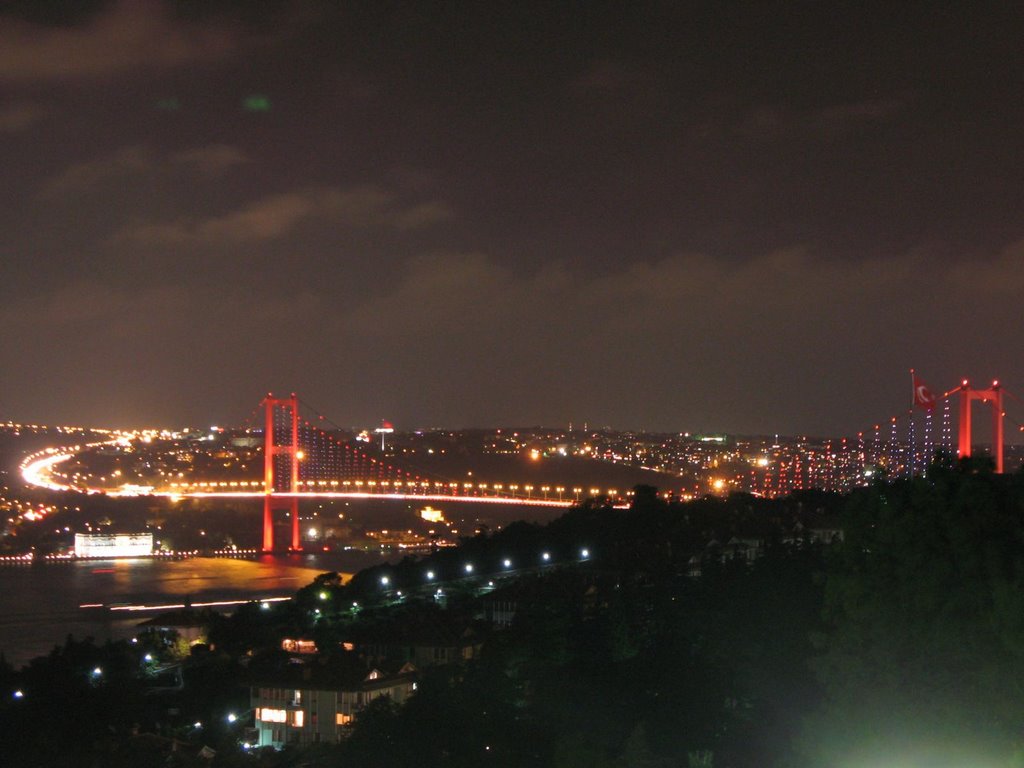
(923, 397)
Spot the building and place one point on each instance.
(424, 639)
(317, 702)
(189, 625)
(107, 545)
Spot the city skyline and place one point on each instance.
(750, 219)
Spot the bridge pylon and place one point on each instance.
(276, 484)
(993, 396)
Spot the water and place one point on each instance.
(40, 603)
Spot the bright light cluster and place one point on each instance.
(268, 715)
(113, 545)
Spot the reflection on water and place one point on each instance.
(110, 580)
(39, 603)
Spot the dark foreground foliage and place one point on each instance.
(715, 634)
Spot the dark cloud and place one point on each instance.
(139, 164)
(212, 160)
(18, 116)
(752, 217)
(689, 342)
(131, 35)
(84, 177)
(276, 216)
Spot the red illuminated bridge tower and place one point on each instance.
(992, 396)
(281, 465)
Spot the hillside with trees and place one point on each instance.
(883, 627)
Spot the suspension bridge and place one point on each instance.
(303, 460)
(902, 446)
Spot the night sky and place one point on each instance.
(747, 217)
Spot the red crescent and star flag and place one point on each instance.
(923, 397)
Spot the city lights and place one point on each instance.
(533, 383)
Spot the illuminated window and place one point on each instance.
(298, 718)
(271, 715)
(343, 719)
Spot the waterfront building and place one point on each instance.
(113, 544)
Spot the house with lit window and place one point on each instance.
(317, 702)
(424, 638)
(298, 647)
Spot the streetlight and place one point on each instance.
(469, 567)
(430, 575)
(584, 553)
(384, 581)
(546, 557)
(507, 563)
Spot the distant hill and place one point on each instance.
(565, 471)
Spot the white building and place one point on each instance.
(113, 544)
(308, 710)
